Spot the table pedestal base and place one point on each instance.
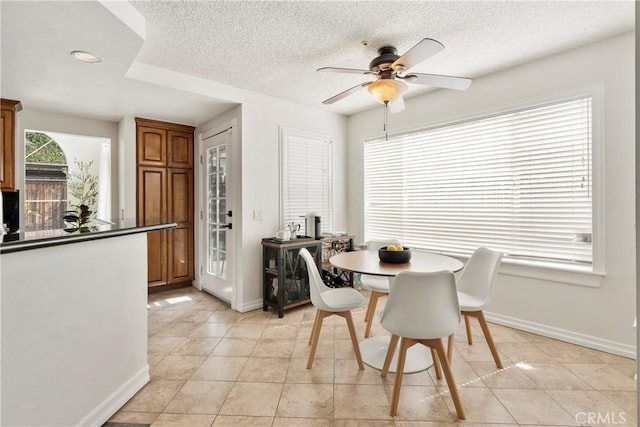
(374, 351)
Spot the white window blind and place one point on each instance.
(306, 177)
(519, 182)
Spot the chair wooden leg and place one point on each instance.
(369, 304)
(489, 338)
(313, 328)
(436, 364)
(450, 349)
(467, 325)
(393, 343)
(439, 347)
(315, 336)
(371, 312)
(405, 343)
(354, 337)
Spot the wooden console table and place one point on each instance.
(285, 279)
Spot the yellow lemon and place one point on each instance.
(399, 248)
(392, 248)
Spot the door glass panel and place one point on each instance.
(222, 240)
(212, 162)
(222, 188)
(222, 211)
(213, 177)
(216, 215)
(212, 211)
(214, 263)
(222, 165)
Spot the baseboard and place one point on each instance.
(564, 335)
(117, 399)
(251, 305)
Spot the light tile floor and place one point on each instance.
(211, 366)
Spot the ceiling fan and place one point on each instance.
(390, 71)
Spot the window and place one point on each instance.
(518, 181)
(63, 171)
(306, 177)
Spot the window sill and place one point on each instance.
(581, 276)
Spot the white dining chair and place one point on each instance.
(377, 285)
(422, 308)
(474, 293)
(329, 301)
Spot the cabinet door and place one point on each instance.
(180, 200)
(180, 256)
(180, 195)
(152, 196)
(7, 181)
(152, 146)
(180, 149)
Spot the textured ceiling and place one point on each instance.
(270, 47)
(37, 69)
(275, 47)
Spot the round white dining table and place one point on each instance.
(374, 349)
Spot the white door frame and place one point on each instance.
(232, 189)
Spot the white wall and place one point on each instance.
(126, 175)
(74, 331)
(598, 317)
(31, 119)
(259, 179)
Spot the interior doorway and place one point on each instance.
(63, 171)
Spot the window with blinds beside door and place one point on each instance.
(519, 181)
(306, 177)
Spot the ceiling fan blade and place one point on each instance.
(345, 70)
(421, 51)
(346, 93)
(396, 105)
(447, 82)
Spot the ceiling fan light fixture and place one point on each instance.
(386, 90)
(84, 56)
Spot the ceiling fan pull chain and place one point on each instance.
(385, 126)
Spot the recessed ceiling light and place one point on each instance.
(83, 56)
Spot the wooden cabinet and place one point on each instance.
(7, 144)
(165, 194)
(285, 278)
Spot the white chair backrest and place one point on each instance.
(479, 274)
(316, 285)
(374, 245)
(422, 305)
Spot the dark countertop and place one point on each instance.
(15, 242)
